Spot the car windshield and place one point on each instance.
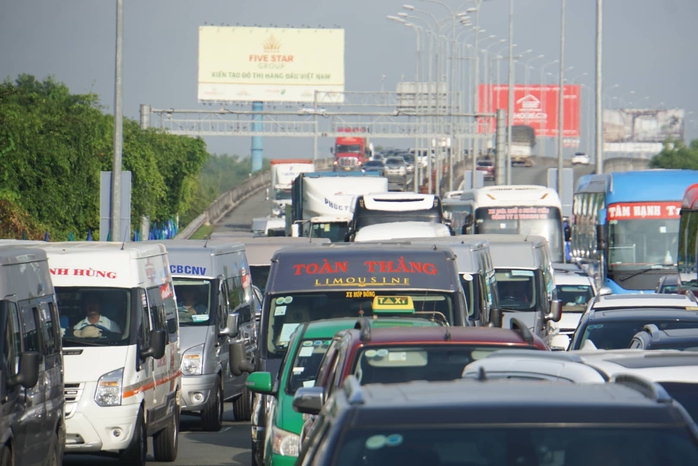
(290, 310)
(574, 297)
(399, 364)
(94, 316)
(593, 445)
(193, 301)
(282, 194)
(373, 165)
(517, 289)
(306, 364)
(618, 335)
(395, 162)
(335, 232)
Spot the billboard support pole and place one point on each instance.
(501, 136)
(315, 132)
(561, 102)
(118, 126)
(256, 153)
(510, 90)
(598, 139)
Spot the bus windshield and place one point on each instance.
(193, 302)
(94, 316)
(289, 310)
(540, 221)
(642, 243)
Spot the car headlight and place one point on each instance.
(191, 360)
(109, 386)
(284, 442)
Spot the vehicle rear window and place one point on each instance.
(618, 335)
(497, 446)
(394, 364)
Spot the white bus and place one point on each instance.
(517, 209)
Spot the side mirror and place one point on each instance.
(605, 291)
(601, 239)
(309, 400)
(259, 382)
(555, 311)
(295, 230)
(468, 221)
(559, 342)
(232, 325)
(568, 233)
(158, 341)
(28, 376)
(496, 317)
(237, 359)
(266, 194)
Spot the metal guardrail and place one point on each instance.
(228, 201)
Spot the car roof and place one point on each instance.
(658, 314)
(571, 278)
(636, 300)
(538, 365)
(509, 401)
(655, 365)
(327, 328)
(447, 335)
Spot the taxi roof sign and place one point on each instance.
(393, 304)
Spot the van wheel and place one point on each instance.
(166, 442)
(135, 453)
(6, 457)
(242, 406)
(212, 414)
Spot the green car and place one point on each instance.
(299, 369)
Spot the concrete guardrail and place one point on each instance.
(228, 201)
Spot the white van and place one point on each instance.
(122, 364)
(32, 424)
(213, 287)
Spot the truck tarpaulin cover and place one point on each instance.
(535, 105)
(370, 270)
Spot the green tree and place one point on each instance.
(676, 154)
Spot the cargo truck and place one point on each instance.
(351, 151)
(321, 202)
(283, 172)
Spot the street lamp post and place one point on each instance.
(599, 83)
(544, 99)
(561, 101)
(510, 91)
(118, 126)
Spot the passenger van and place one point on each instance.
(215, 276)
(525, 281)
(372, 209)
(344, 280)
(32, 424)
(122, 371)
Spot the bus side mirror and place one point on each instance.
(601, 239)
(568, 233)
(496, 317)
(468, 221)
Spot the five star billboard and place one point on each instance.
(535, 105)
(270, 64)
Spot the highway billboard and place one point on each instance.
(270, 64)
(641, 130)
(535, 105)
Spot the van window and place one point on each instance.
(114, 324)
(30, 335)
(48, 331)
(144, 325)
(12, 347)
(157, 309)
(517, 289)
(193, 301)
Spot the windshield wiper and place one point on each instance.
(645, 270)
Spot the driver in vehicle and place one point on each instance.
(94, 321)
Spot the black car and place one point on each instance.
(628, 421)
(374, 166)
(668, 284)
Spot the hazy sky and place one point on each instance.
(649, 47)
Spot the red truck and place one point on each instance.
(351, 151)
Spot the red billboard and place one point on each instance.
(535, 105)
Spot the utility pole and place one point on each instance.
(598, 140)
(510, 109)
(118, 126)
(561, 102)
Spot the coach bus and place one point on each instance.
(517, 209)
(688, 227)
(625, 226)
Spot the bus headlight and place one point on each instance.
(109, 386)
(191, 360)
